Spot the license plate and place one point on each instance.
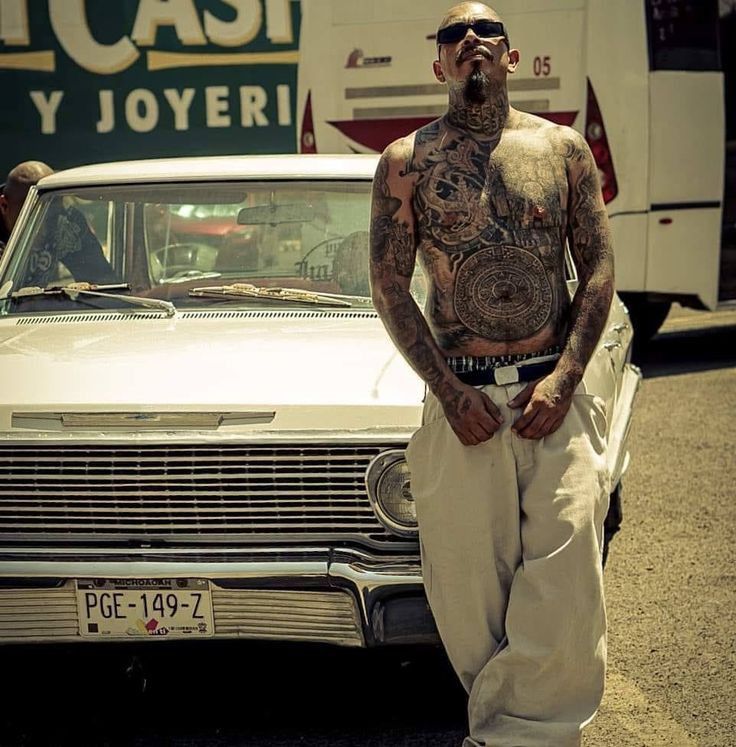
(144, 608)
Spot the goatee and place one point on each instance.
(477, 87)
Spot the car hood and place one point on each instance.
(313, 370)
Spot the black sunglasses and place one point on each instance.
(483, 28)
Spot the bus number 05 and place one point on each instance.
(542, 66)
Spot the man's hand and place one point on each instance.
(545, 402)
(471, 413)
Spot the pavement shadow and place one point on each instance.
(229, 694)
(688, 351)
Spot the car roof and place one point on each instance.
(214, 168)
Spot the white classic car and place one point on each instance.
(202, 419)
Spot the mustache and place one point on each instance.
(464, 54)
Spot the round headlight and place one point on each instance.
(389, 488)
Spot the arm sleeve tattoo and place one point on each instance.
(393, 256)
(590, 241)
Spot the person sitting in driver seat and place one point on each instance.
(69, 240)
(17, 184)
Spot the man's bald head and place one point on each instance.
(19, 181)
(474, 55)
(467, 11)
(24, 176)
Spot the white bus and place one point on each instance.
(640, 78)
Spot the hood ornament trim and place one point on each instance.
(141, 420)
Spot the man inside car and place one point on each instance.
(69, 240)
(14, 192)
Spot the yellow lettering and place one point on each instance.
(283, 104)
(47, 109)
(241, 30)
(14, 22)
(181, 14)
(253, 100)
(279, 29)
(106, 122)
(69, 22)
(180, 103)
(217, 105)
(141, 110)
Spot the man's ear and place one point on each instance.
(513, 60)
(3, 203)
(437, 68)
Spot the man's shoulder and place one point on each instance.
(403, 148)
(400, 149)
(565, 141)
(545, 128)
(430, 132)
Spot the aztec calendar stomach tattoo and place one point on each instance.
(503, 293)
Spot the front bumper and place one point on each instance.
(338, 597)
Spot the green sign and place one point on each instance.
(86, 81)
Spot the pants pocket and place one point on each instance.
(420, 452)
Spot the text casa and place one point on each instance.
(70, 26)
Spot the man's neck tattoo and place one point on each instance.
(480, 106)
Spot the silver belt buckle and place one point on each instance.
(506, 375)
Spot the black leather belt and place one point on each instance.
(513, 374)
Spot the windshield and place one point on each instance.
(165, 241)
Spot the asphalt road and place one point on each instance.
(671, 588)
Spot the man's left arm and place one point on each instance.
(546, 404)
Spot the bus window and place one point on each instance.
(683, 34)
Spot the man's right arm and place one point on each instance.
(82, 256)
(472, 415)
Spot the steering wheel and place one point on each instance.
(176, 261)
(177, 255)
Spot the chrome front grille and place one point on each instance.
(32, 614)
(38, 614)
(280, 493)
(330, 617)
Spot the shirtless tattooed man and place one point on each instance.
(508, 468)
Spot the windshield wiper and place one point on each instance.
(292, 295)
(73, 290)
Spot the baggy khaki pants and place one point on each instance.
(511, 536)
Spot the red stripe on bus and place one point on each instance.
(562, 118)
(376, 134)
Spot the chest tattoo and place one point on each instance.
(503, 293)
(491, 235)
(453, 196)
